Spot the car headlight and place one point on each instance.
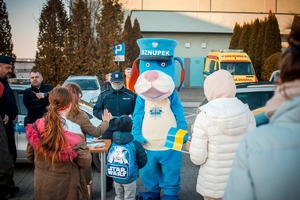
(93, 100)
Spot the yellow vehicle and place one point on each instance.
(237, 62)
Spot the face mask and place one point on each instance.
(116, 86)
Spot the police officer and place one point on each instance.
(6, 160)
(118, 101)
(9, 112)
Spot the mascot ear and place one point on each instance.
(134, 74)
(181, 74)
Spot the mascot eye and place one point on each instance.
(147, 64)
(163, 64)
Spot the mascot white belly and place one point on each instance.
(158, 119)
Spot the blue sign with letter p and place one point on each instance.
(119, 49)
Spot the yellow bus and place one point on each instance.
(237, 62)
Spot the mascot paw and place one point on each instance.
(170, 197)
(140, 139)
(185, 138)
(148, 196)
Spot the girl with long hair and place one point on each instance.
(58, 149)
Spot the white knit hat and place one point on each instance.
(219, 84)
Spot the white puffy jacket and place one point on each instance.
(217, 132)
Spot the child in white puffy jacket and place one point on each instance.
(217, 132)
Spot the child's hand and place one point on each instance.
(106, 116)
(187, 145)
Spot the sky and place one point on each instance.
(23, 17)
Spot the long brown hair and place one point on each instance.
(75, 90)
(290, 60)
(53, 139)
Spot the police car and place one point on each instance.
(89, 85)
(20, 134)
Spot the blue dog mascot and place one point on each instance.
(158, 108)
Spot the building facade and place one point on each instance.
(202, 25)
(23, 67)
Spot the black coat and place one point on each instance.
(8, 104)
(36, 107)
(6, 162)
(105, 85)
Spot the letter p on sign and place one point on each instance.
(118, 49)
(119, 52)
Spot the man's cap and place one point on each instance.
(6, 60)
(156, 48)
(116, 77)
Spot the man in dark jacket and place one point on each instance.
(35, 98)
(9, 112)
(106, 84)
(118, 101)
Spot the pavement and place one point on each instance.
(191, 97)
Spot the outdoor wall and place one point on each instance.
(193, 68)
(196, 69)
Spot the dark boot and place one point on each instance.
(148, 196)
(4, 192)
(109, 184)
(13, 188)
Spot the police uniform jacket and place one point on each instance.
(117, 102)
(8, 104)
(36, 107)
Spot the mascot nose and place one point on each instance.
(151, 76)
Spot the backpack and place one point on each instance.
(121, 161)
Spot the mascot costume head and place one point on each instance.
(155, 68)
(158, 119)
